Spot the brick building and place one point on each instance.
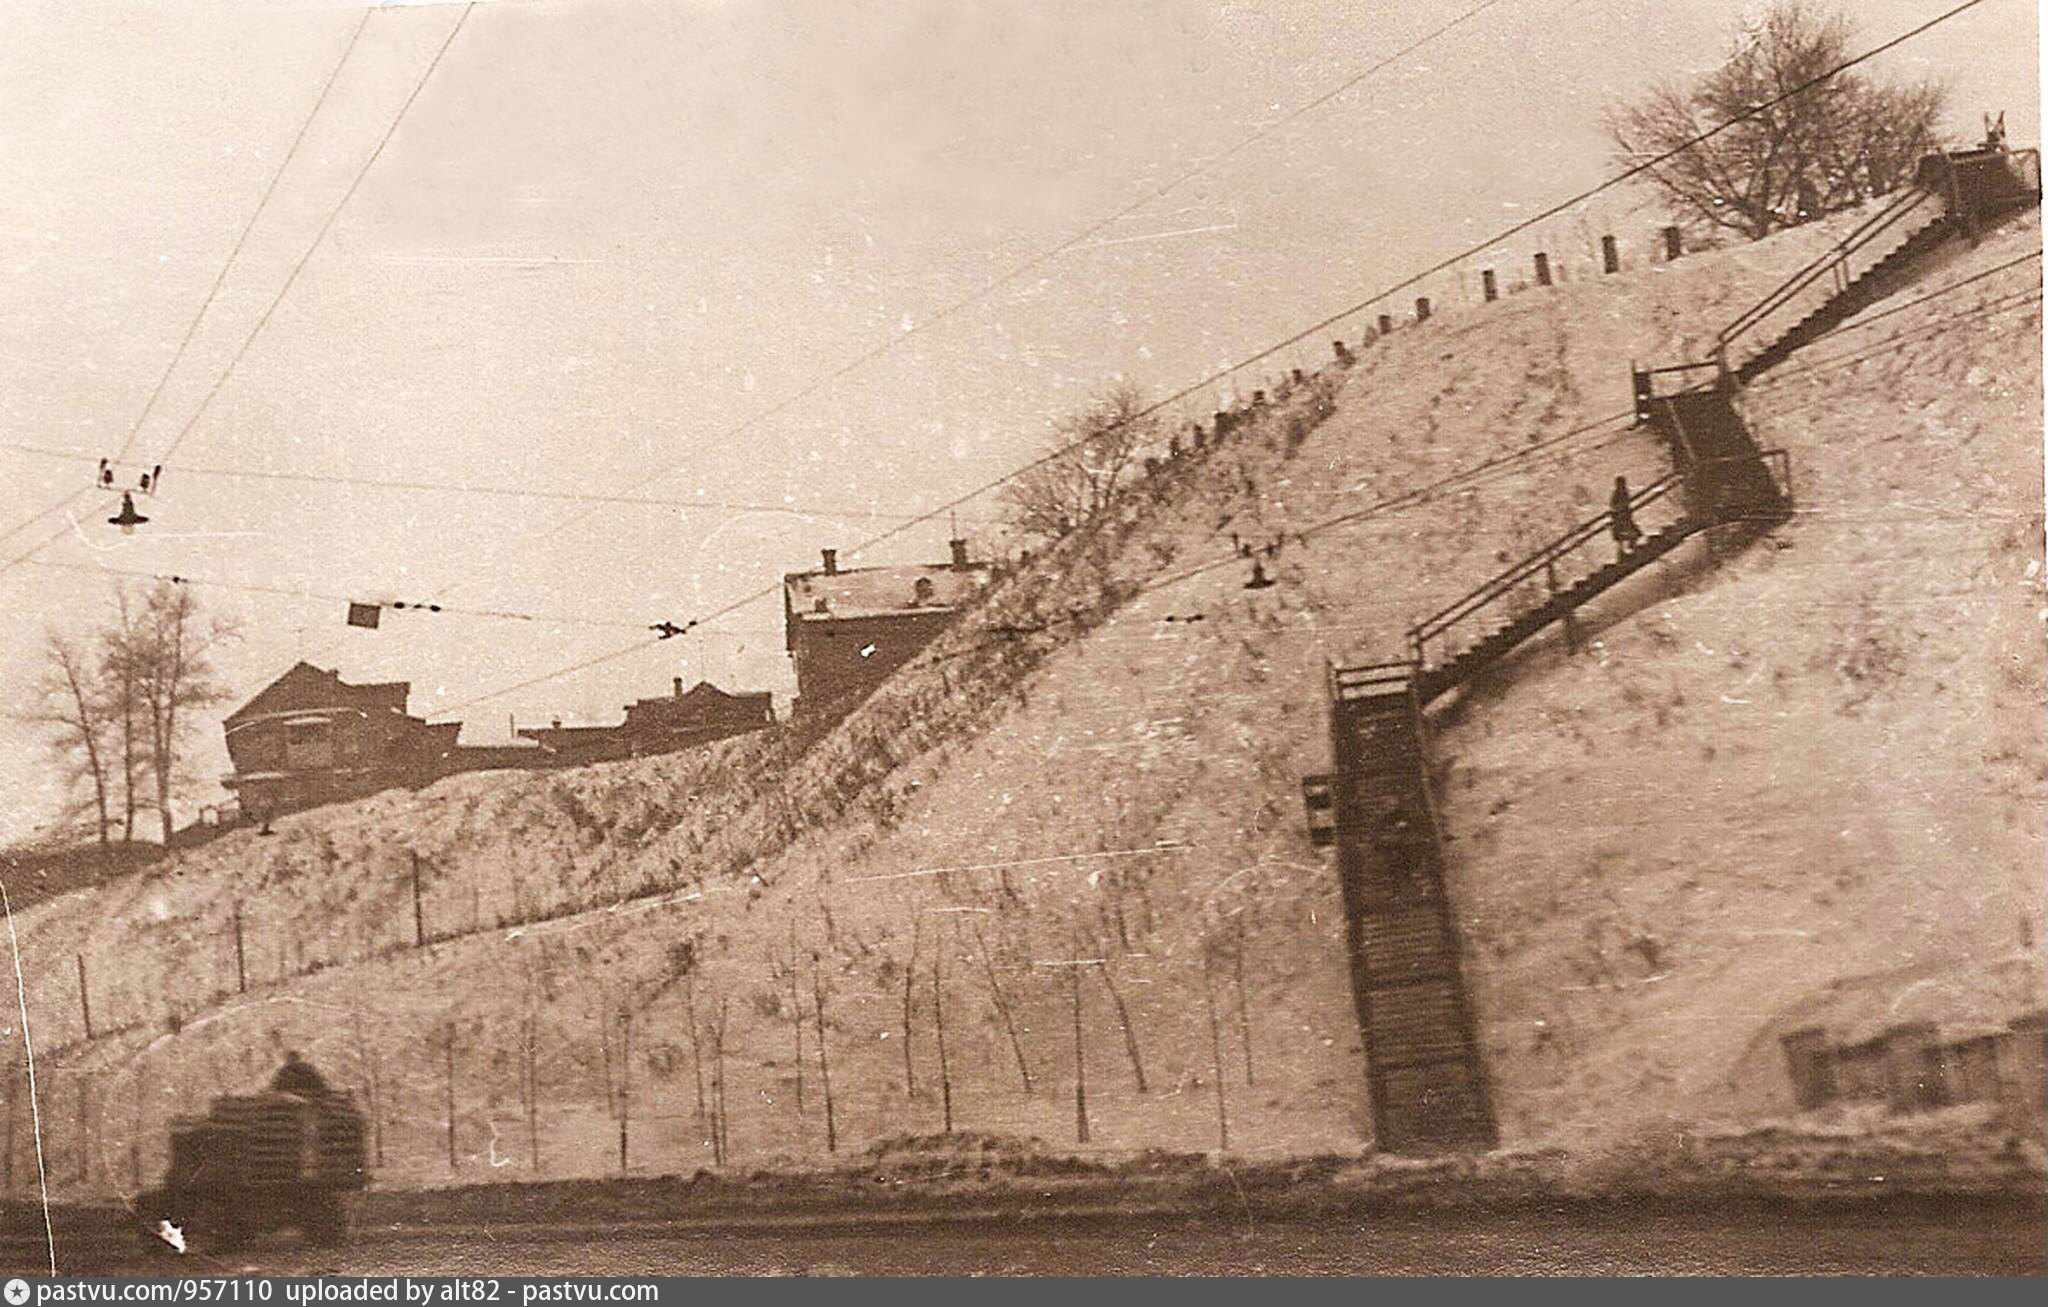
(682, 719)
(309, 737)
(848, 628)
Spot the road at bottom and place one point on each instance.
(1969, 1239)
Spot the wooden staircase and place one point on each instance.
(1953, 194)
(1560, 602)
(1423, 1069)
(1859, 293)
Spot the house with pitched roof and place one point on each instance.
(848, 628)
(310, 737)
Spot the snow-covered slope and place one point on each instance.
(1797, 784)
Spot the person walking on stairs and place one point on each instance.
(1623, 518)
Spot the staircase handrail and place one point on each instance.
(1472, 601)
(1354, 681)
(1865, 232)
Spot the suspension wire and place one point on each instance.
(291, 279)
(220, 278)
(462, 488)
(1029, 265)
(1512, 229)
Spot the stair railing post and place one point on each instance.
(1571, 620)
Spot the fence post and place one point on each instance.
(1080, 1055)
(7, 1149)
(241, 959)
(625, 1080)
(938, 1026)
(419, 920)
(84, 1135)
(1216, 1056)
(451, 1096)
(1487, 286)
(1610, 254)
(1674, 244)
(1422, 308)
(1542, 268)
(84, 999)
(1386, 323)
(135, 1134)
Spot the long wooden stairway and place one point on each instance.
(1847, 292)
(1424, 1072)
(1424, 1069)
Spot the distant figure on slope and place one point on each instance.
(297, 1077)
(1624, 527)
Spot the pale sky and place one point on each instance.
(611, 232)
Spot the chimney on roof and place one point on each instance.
(831, 561)
(679, 687)
(959, 546)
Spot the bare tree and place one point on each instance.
(171, 647)
(1086, 458)
(71, 704)
(120, 686)
(1829, 147)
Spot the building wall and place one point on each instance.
(1911, 1068)
(348, 756)
(830, 664)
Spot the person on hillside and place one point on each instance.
(1623, 518)
(296, 1076)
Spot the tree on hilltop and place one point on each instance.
(1829, 147)
(1085, 459)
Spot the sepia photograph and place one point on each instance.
(650, 639)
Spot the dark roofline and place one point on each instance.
(982, 565)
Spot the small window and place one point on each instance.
(922, 594)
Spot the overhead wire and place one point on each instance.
(220, 278)
(1872, 349)
(1441, 265)
(297, 268)
(1512, 229)
(982, 292)
(294, 592)
(242, 239)
(464, 488)
(334, 214)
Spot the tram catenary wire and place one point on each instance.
(1036, 261)
(1521, 225)
(296, 269)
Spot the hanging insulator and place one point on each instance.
(105, 476)
(1259, 579)
(127, 519)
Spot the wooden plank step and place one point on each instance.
(1434, 1109)
(1408, 945)
(1415, 1023)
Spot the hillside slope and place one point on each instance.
(1798, 784)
